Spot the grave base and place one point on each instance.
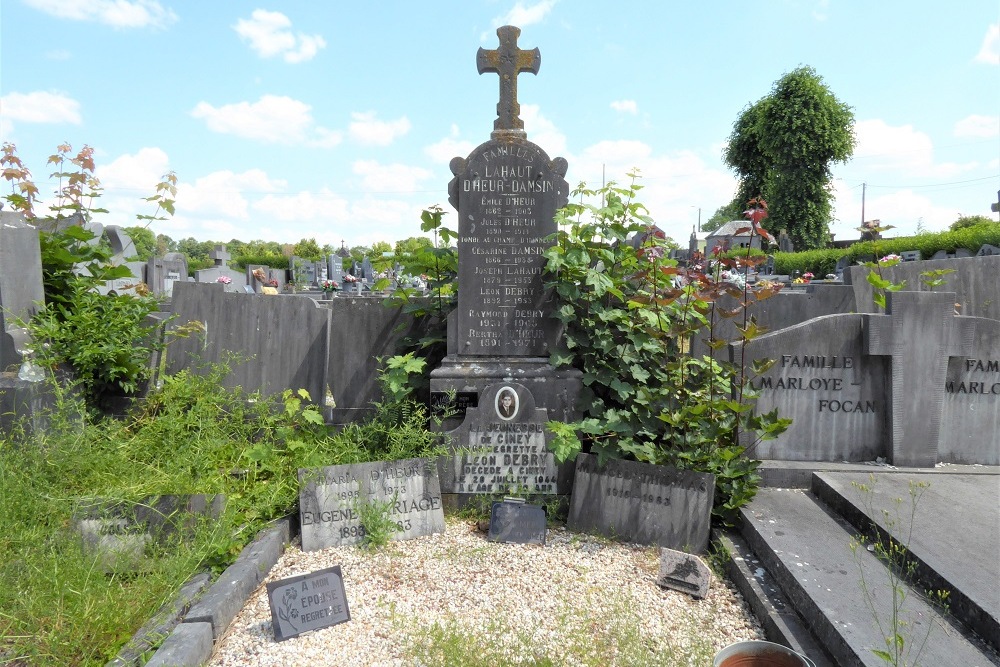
(24, 404)
(555, 390)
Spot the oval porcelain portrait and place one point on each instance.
(506, 404)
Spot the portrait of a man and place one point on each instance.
(506, 403)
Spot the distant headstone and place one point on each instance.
(367, 271)
(335, 267)
(642, 503)
(516, 522)
(163, 272)
(331, 500)
(21, 289)
(910, 256)
(684, 572)
(502, 446)
(942, 254)
(222, 270)
(785, 242)
(307, 602)
(988, 249)
(842, 265)
(769, 265)
(962, 252)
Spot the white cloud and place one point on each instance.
(271, 119)
(625, 106)
(821, 10)
(116, 13)
(542, 131)
(883, 147)
(40, 107)
(140, 172)
(397, 178)
(989, 52)
(224, 193)
(368, 130)
(450, 147)
(522, 15)
(902, 209)
(978, 126)
(269, 34)
(303, 206)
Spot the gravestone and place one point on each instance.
(335, 268)
(20, 285)
(333, 499)
(367, 273)
(987, 249)
(918, 333)
(970, 417)
(117, 533)
(785, 242)
(962, 252)
(506, 191)
(163, 272)
(684, 572)
(642, 503)
(942, 254)
(221, 269)
(502, 447)
(910, 256)
(307, 602)
(842, 265)
(515, 522)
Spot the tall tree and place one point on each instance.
(782, 148)
(144, 240)
(727, 213)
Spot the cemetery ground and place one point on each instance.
(61, 604)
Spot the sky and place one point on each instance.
(337, 120)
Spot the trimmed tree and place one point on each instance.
(783, 147)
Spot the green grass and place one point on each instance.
(58, 606)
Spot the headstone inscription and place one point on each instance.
(502, 447)
(642, 503)
(970, 419)
(307, 602)
(684, 572)
(515, 522)
(332, 501)
(506, 191)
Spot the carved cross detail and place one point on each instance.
(508, 61)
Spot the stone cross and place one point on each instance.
(919, 332)
(508, 61)
(219, 255)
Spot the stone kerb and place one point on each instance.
(821, 379)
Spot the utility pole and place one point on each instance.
(864, 186)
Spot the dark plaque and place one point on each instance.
(517, 522)
(331, 500)
(507, 193)
(642, 503)
(307, 602)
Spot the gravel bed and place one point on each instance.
(577, 600)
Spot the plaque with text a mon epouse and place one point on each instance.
(507, 193)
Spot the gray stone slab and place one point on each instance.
(331, 500)
(20, 284)
(807, 549)
(642, 503)
(970, 411)
(189, 645)
(501, 446)
(684, 572)
(307, 602)
(956, 523)
(227, 595)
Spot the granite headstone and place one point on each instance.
(307, 602)
(516, 522)
(642, 503)
(331, 498)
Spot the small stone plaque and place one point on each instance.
(330, 500)
(307, 602)
(642, 503)
(462, 402)
(516, 522)
(684, 572)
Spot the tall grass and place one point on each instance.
(58, 605)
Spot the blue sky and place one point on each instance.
(336, 120)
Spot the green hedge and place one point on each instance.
(824, 261)
(270, 260)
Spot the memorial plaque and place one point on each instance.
(642, 503)
(463, 400)
(507, 193)
(683, 572)
(307, 602)
(517, 522)
(330, 500)
(502, 446)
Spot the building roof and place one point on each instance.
(729, 229)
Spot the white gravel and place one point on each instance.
(577, 600)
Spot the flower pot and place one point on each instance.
(760, 654)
